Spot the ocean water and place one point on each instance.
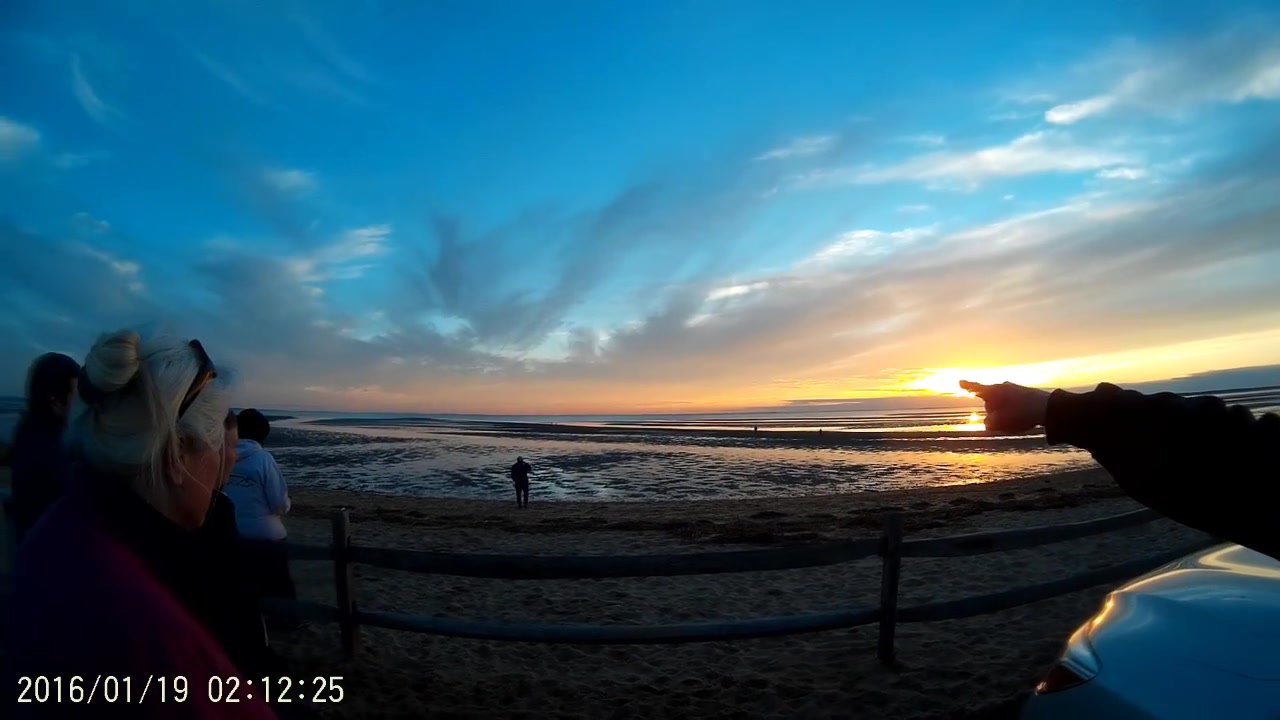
(675, 457)
(656, 457)
(458, 461)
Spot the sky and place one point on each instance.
(610, 207)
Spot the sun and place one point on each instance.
(946, 381)
(975, 419)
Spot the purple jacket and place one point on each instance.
(95, 595)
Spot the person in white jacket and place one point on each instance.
(261, 498)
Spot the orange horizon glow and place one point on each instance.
(568, 396)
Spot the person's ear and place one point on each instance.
(178, 462)
(177, 472)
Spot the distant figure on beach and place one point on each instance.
(261, 498)
(38, 459)
(102, 583)
(1194, 459)
(520, 478)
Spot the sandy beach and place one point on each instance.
(967, 668)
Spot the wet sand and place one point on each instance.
(435, 459)
(966, 668)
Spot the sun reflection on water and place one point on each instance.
(974, 423)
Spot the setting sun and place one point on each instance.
(946, 381)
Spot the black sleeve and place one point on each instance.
(37, 480)
(1197, 460)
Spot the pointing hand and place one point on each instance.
(1010, 408)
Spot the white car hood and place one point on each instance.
(1219, 609)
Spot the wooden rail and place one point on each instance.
(582, 567)
(890, 547)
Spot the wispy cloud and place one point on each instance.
(927, 140)
(329, 48)
(318, 81)
(93, 104)
(1233, 66)
(287, 180)
(229, 77)
(1029, 97)
(1075, 112)
(916, 209)
(16, 138)
(1031, 154)
(870, 243)
(732, 291)
(801, 147)
(90, 224)
(347, 258)
(71, 160)
(1011, 115)
(1122, 173)
(128, 271)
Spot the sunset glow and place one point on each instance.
(947, 381)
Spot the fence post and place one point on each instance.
(343, 582)
(891, 552)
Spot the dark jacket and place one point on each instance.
(520, 472)
(220, 593)
(97, 591)
(1196, 460)
(39, 470)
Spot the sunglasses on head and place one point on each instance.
(204, 376)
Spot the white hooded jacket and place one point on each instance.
(259, 492)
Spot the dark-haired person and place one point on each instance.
(261, 498)
(39, 461)
(1195, 459)
(223, 585)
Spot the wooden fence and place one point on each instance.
(891, 547)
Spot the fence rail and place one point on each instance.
(890, 547)
(585, 567)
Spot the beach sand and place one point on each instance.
(967, 668)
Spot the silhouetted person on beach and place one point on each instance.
(520, 478)
(38, 459)
(1195, 459)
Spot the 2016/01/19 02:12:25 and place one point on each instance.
(319, 689)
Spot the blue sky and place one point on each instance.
(605, 206)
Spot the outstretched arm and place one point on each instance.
(1197, 460)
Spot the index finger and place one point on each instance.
(976, 388)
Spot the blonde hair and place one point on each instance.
(132, 429)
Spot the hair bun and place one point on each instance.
(113, 361)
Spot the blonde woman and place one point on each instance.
(102, 587)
